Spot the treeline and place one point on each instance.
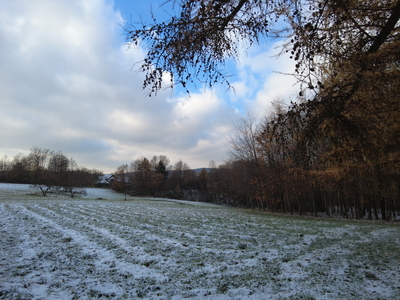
(290, 163)
(282, 165)
(156, 177)
(47, 170)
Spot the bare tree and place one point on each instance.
(5, 168)
(243, 147)
(121, 179)
(39, 177)
(20, 171)
(57, 168)
(73, 182)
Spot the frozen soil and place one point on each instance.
(88, 248)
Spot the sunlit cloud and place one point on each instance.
(264, 75)
(69, 82)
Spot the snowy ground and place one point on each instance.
(57, 248)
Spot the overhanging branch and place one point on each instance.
(387, 29)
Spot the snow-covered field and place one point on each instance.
(58, 248)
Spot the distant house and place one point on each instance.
(104, 180)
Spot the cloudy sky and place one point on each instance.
(68, 82)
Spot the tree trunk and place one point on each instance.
(314, 204)
(287, 199)
(369, 209)
(327, 203)
(383, 208)
(375, 209)
(299, 204)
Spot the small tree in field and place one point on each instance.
(73, 182)
(39, 175)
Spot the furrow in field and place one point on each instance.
(177, 233)
(133, 241)
(14, 238)
(81, 236)
(170, 251)
(31, 264)
(181, 261)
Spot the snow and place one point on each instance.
(55, 247)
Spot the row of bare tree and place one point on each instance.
(277, 165)
(156, 177)
(47, 171)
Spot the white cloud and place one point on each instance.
(67, 82)
(262, 77)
